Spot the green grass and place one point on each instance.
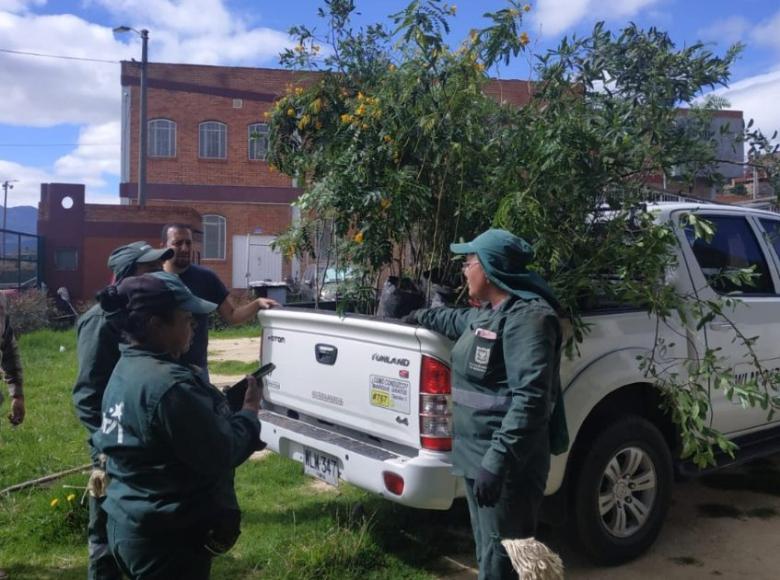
(232, 367)
(251, 330)
(290, 531)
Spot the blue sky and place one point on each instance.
(59, 119)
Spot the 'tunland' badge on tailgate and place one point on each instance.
(390, 393)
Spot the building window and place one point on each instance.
(213, 237)
(258, 141)
(66, 259)
(162, 138)
(213, 140)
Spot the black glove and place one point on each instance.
(487, 488)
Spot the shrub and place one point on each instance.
(29, 310)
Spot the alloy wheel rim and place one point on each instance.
(627, 492)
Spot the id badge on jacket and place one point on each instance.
(481, 354)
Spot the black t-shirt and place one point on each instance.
(204, 284)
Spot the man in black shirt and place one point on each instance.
(204, 284)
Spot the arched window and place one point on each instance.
(258, 141)
(162, 138)
(213, 140)
(214, 237)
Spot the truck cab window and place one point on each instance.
(733, 247)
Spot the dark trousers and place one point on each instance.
(102, 565)
(514, 516)
(169, 557)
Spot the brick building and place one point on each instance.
(206, 150)
(79, 237)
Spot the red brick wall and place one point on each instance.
(241, 219)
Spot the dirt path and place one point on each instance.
(726, 525)
(242, 349)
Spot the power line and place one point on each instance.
(63, 57)
(59, 144)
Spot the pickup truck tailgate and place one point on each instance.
(342, 371)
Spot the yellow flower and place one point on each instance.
(358, 238)
(364, 126)
(290, 112)
(316, 105)
(524, 38)
(387, 138)
(360, 96)
(54, 503)
(304, 121)
(453, 9)
(346, 118)
(71, 496)
(266, 114)
(385, 203)
(318, 125)
(391, 67)
(298, 90)
(479, 67)
(361, 110)
(527, 8)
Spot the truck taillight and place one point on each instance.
(435, 393)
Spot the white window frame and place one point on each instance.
(158, 126)
(210, 130)
(260, 129)
(210, 221)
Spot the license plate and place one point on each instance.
(321, 466)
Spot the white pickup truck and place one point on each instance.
(366, 401)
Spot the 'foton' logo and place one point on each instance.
(272, 338)
(404, 362)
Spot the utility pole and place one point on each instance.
(143, 138)
(7, 184)
(142, 129)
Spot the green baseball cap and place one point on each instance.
(159, 291)
(504, 257)
(124, 258)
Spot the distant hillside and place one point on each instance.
(23, 218)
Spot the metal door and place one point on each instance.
(254, 260)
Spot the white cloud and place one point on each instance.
(757, 97)
(557, 16)
(726, 30)
(97, 154)
(94, 162)
(27, 188)
(767, 32)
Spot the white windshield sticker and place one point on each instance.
(390, 393)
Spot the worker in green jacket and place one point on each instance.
(505, 387)
(171, 439)
(98, 352)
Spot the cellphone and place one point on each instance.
(235, 393)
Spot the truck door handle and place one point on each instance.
(325, 354)
(719, 326)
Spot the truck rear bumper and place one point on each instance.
(428, 479)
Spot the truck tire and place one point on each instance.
(623, 491)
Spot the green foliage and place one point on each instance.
(400, 147)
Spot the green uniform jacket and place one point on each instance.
(505, 382)
(172, 445)
(98, 352)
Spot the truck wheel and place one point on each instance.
(623, 491)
